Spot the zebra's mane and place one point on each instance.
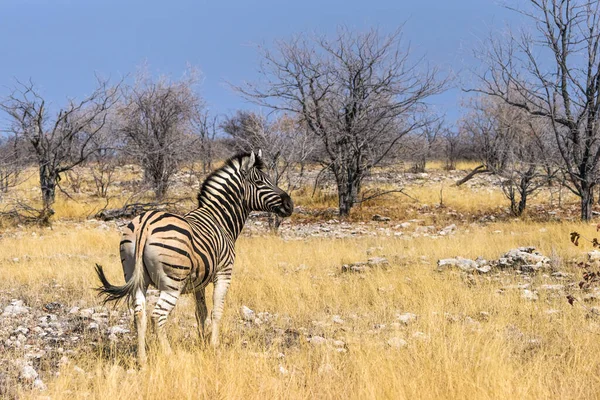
(231, 162)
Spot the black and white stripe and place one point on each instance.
(183, 254)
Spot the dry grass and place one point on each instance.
(516, 351)
(469, 340)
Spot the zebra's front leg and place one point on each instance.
(201, 312)
(164, 306)
(221, 285)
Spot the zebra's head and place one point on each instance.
(261, 194)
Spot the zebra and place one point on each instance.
(182, 254)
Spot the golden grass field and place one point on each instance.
(468, 341)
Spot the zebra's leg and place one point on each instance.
(164, 306)
(201, 312)
(221, 285)
(139, 315)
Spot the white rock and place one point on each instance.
(448, 230)
(283, 370)
(397, 342)
(529, 295)
(39, 385)
(420, 335)
(593, 256)
(78, 369)
(247, 314)
(325, 369)
(336, 319)
(552, 287)
(463, 264)
(406, 318)
(117, 330)
(317, 340)
(28, 373)
(16, 307)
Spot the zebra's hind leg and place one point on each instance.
(141, 323)
(164, 306)
(201, 312)
(221, 285)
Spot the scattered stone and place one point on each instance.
(336, 319)
(16, 307)
(406, 318)
(420, 336)
(325, 369)
(397, 342)
(450, 229)
(463, 264)
(529, 295)
(52, 307)
(380, 218)
(362, 266)
(283, 370)
(39, 385)
(79, 370)
(593, 256)
(551, 287)
(117, 330)
(28, 374)
(317, 340)
(247, 314)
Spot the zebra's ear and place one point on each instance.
(248, 162)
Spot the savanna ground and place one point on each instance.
(317, 332)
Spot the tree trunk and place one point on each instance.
(522, 204)
(48, 180)
(587, 199)
(348, 191)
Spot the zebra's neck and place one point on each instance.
(221, 196)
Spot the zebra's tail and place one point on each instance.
(116, 293)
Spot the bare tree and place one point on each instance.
(357, 93)
(424, 143)
(206, 127)
(451, 141)
(156, 119)
(13, 160)
(59, 142)
(283, 142)
(554, 73)
(512, 145)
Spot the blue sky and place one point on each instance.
(60, 44)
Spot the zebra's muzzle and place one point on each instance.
(287, 206)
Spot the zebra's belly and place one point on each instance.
(194, 284)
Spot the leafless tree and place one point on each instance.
(61, 141)
(206, 127)
(283, 143)
(425, 141)
(554, 73)
(13, 160)
(512, 145)
(156, 119)
(451, 146)
(357, 93)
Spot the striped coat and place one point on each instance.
(182, 254)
